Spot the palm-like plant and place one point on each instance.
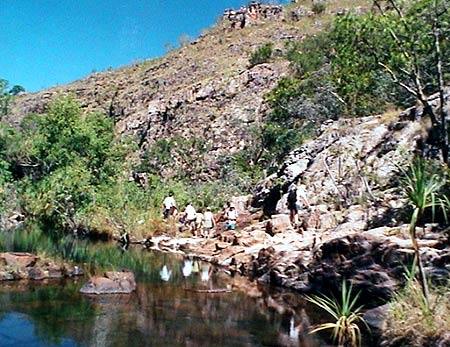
(421, 188)
(346, 313)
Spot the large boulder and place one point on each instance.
(113, 282)
(14, 259)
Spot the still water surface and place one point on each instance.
(169, 308)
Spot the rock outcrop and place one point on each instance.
(18, 266)
(347, 176)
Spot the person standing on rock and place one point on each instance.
(169, 205)
(199, 220)
(208, 222)
(191, 216)
(292, 205)
(231, 218)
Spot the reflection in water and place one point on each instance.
(169, 308)
(206, 272)
(187, 267)
(162, 312)
(165, 273)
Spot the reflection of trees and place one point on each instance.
(52, 308)
(163, 313)
(167, 315)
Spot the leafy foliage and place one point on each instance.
(5, 97)
(60, 161)
(370, 60)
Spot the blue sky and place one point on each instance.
(52, 42)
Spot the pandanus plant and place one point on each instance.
(421, 188)
(347, 315)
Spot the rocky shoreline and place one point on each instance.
(27, 266)
(316, 260)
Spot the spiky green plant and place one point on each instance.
(346, 313)
(421, 187)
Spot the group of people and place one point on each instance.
(202, 222)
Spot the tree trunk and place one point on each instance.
(422, 276)
(437, 47)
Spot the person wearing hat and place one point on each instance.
(208, 222)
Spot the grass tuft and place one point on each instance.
(411, 322)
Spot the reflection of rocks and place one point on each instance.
(16, 266)
(318, 260)
(119, 282)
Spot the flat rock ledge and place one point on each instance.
(318, 260)
(27, 266)
(113, 282)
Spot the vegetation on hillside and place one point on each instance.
(68, 170)
(7, 95)
(415, 321)
(363, 64)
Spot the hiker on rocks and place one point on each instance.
(223, 214)
(231, 217)
(169, 206)
(292, 205)
(208, 223)
(199, 219)
(190, 217)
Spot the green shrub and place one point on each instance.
(318, 7)
(262, 54)
(346, 316)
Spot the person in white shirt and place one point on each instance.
(191, 216)
(169, 205)
(208, 222)
(231, 218)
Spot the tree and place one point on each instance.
(62, 159)
(421, 188)
(5, 97)
(16, 90)
(407, 42)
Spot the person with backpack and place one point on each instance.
(292, 204)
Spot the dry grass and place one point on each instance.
(411, 323)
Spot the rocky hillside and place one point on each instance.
(352, 222)
(206, 90)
